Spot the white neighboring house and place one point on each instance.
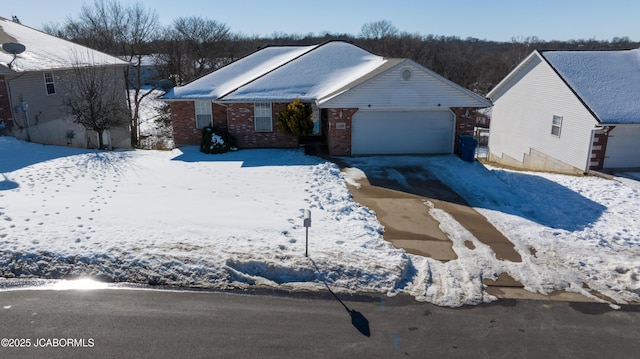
(30, 98)
(569, 111)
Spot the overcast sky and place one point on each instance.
(499, 20)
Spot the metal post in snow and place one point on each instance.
(307, 223)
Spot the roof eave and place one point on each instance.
(507, 79)
(575, 93)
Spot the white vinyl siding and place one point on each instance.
(49, 83)
(523, 111)
(262, 117)
(204, 116)
(622, 148)
(390, 91)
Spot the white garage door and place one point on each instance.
(406, 132)
(623, 148)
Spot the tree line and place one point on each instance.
(191, 47)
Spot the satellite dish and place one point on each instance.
(13, 48)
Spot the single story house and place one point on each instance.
(569, 111)
(32, 64)
(363, 104)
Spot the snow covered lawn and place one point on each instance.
(187, 219)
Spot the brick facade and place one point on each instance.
(339, 136)
(241, 126)
(237, 118)
(465, 122)
(5, 105)
(599, 148)
(219, 113)
(183, 118)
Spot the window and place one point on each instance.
(556, 125)
(262, 117)
(49, 83)
(203, 114)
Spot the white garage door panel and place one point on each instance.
(623, 148)
(402, 132)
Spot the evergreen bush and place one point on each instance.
(296, 119)
(217, 141)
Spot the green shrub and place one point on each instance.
(296, 119)
(217, 141)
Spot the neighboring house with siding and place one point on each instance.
(31, 86)
(362, 103)
(569, 111)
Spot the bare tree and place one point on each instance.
(378, 30)
(94, 97)
(195, 46)
(136, 35)
(123, 31)
(379, 35)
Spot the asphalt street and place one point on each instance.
(129, 323)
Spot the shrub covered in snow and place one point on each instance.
(217, 141)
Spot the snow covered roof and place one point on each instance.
(320, 72)
(283, 72)
(219, 83)
(45, 52)
(608, 82)
(309, 73)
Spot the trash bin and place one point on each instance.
(467, 145)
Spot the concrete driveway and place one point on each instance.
(398, 195)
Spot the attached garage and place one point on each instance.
(402, 132)
(622, 146)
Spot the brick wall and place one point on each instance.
(339, 136)
(241, 126)
(599, 148)
(237, 118)
(465, 122)
(219, 113)
(5, 104)
(183, 118)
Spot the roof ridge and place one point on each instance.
(569, 86)
(313, 47)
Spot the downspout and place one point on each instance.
(25, 107)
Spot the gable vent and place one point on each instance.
(406, 74)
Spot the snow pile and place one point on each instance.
(188, 219)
